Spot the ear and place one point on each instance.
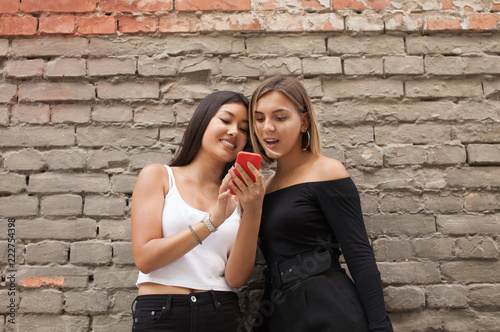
(305, 122)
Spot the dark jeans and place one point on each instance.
(197, 312)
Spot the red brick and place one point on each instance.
(195, 5)
(178, 23)
(495, 7)
(447, 4)
(18, 25)
(97, 25)
(43, 281)
(483, 21)
(344, 4)
(132, 24)
(444, 24)
(117, 6)
(267, 5)
(313, 4)
(55, 6)
(9, 6)
(57, 23)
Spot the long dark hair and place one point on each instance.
(208, 107)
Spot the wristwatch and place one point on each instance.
(208, 223)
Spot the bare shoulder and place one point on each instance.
(153, 175)
(325, 169)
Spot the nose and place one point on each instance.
(267, 126)
(233, 130)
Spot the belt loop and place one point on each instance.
(168, 303)
(216, 302)
(132, 306)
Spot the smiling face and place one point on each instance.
(227, 132)
(278, 124)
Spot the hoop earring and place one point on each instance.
(308, 140)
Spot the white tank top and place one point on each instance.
(202, 267)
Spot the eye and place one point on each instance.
(225, 121)
(281, 118)
(259, 118)
(245, 130)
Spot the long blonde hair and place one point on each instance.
(295, 91)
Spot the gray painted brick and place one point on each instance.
(122, 253)
(113, 229)
(449, 296)
(400, 224)
(12, 183)
(129, 90)
(114, 136)
(42, 229)
(90, 253)
(435, 248)
(286, 45)
(483, 154)
(477, 247)
(25, 68)
(24, 160)
(66, 159)
(4, 47)
(415, 273)
(413, 133)
(70, 113)
(18, 206)
(468, 224)
(466, 271)
(163, 114)
(7, 92)
(403, 65)
(36, 114)
(4, 116)
(443, 89)
(47, 252)
(47, 323)
(112, 113)
(102, 159)
(104, 206)
(56, 91)
(322, 66)
(66, 67)
(362, 88)
(46, 301)
(363, 66)
(72, 183)
(49, 47)
(155, 66)
(87, 302)
(404, 298)
(111, 66)
(61, 205)
(373, 45)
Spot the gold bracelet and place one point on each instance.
(195, 236)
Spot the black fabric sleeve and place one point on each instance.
(341, 206)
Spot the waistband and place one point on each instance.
(301, 267)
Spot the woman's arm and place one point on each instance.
(242, 258)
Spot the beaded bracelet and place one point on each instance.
(195, 236)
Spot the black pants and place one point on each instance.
(197, 312)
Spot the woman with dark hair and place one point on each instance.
(311, 211)
(193, 242)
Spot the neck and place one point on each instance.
(205, 170)
(288, 163)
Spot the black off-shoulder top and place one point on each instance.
(305, 216)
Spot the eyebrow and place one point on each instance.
(275, 111)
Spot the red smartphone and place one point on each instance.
(242, 158)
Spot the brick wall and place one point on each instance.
(91, 91)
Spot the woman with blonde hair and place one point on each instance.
(311, 212)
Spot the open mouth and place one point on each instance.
(227, 143)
